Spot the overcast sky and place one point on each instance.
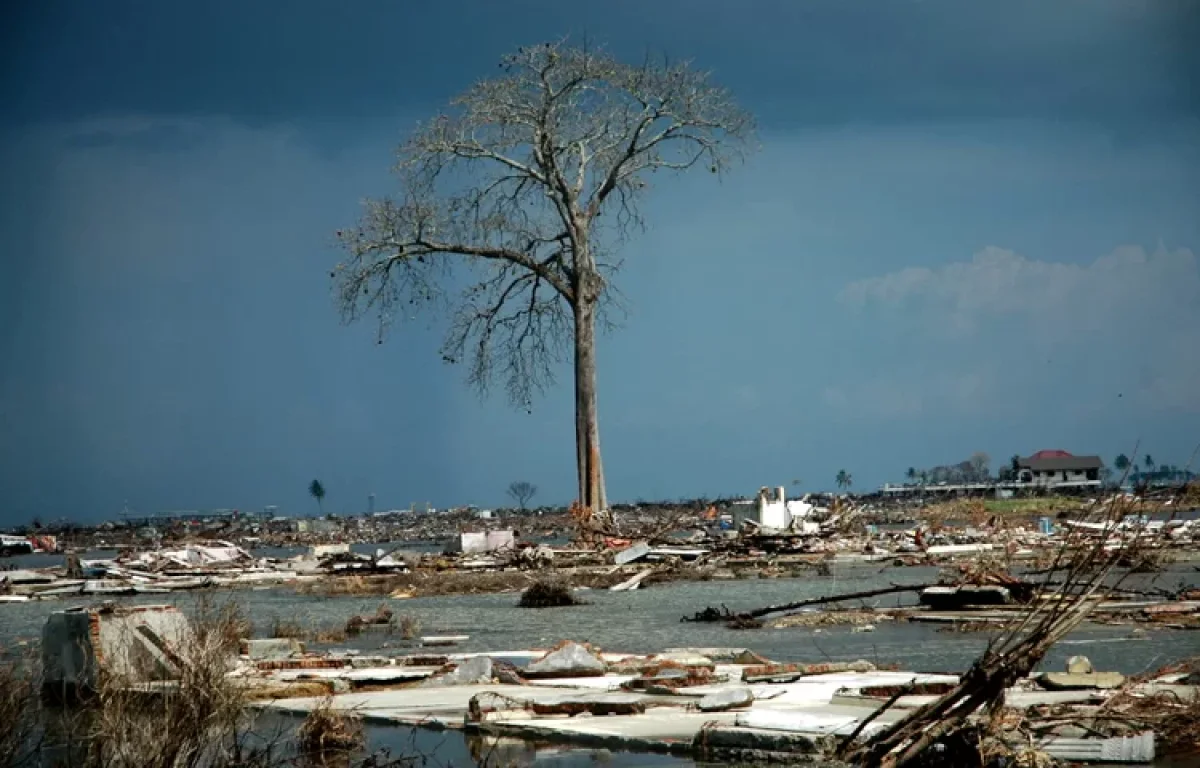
(970, 226)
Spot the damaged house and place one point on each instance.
(1059, 469)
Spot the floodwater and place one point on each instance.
(648, 620)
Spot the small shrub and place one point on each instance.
(195, 721)
(410, 626)
(328, 636)
(547, 594)
(327, 734)
(285, 628)
(19, 686)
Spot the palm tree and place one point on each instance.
(1149, 462)
(911, 474)
(1121, 463)
(844, 479)
(317, 491)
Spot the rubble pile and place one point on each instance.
(724, 704)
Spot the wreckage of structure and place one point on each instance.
(712, 704)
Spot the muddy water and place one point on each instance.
(648, 620)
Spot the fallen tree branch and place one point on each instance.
(712, 614)
(848, 744)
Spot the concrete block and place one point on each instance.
(572, 660)
(134, 643)
(1080, 665)
(272, 648)
(479, 542)
(1066, 681)
(500, 540)
(730, 698)
(473, 671)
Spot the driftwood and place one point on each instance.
(724, 614)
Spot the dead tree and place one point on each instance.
(521, 492)
(522, 192)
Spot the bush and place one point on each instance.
(329, 736)
(19, 685)
(284, 628)
(547, 594)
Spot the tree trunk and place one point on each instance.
(587, 430)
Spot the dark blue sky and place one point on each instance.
(971, 226)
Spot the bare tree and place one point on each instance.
(521, 492)
(979, 466)
(528, 184)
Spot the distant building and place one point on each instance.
(1059, 469)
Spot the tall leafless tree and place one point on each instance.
(521, 492)
(518, 198)
(979, 466)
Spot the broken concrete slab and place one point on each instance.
(730, 698)
(667, 680)
(572, 660)
(631, 554)
(476, 671)
(724, 655)
(272, 648)
(683, 658)
(766, 673)
(657, 730)
(433, 641)
(1067, 681)
(490, 706)
(479, 542)
(728, 743)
